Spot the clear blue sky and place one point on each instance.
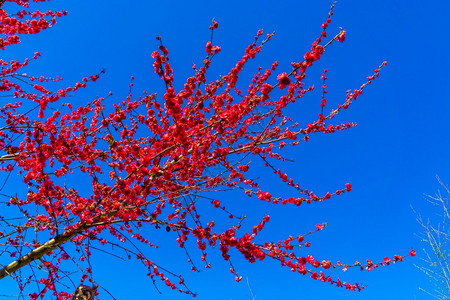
(391, 158)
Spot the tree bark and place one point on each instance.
(40, 251)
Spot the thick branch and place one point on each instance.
(37, 253)
(8, 156)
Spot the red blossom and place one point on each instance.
(341, 36)
(283, 80)
(348, 186)
(216, 203)
(215, 25)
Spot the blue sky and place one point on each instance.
(391, 158)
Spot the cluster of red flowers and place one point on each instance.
(148, 160)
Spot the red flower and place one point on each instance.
(412, 252)
(266, 89)
(326, 264)
(283, 80)
(341, 36)
(318, 51)
(214, 25)
(348, 186)
(208, 47)
(264, 196)
(398, 258)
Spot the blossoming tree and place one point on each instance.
(149, 161)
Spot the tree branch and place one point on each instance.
(37, 253)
